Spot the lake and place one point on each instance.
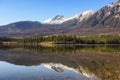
(60, 62)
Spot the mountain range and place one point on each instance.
(59, 19)
(103, 21)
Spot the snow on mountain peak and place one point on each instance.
(83, 15)
(58, 19)
(114, 4)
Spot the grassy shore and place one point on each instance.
(48, 44)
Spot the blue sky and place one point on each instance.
(40, 10)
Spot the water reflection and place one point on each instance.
(44, 71)
(68, 48)
(96, 61)
(75, 48)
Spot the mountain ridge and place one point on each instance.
(59, 19)
(101, 17)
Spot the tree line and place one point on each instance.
(73, 39)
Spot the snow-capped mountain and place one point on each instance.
(83, 15)
(59, 19)
(107, 16)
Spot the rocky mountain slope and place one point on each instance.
(104, 21)
(108, 16)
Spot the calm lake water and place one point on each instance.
(63, 62)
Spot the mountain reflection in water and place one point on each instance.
(60, 63)
(44, 71)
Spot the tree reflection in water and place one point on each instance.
(102, 61)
